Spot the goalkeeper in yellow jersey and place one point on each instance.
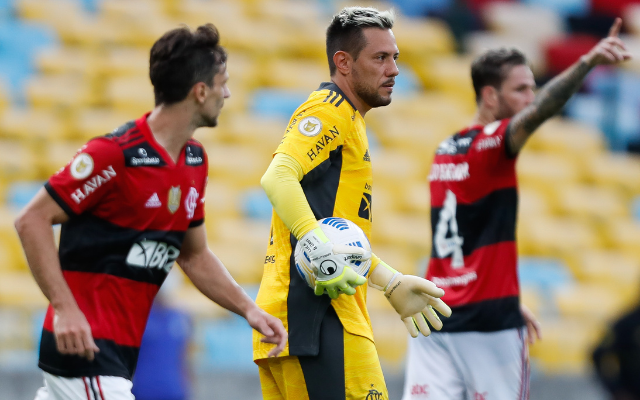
(322, 168)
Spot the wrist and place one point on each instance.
(587, 59)
(382, 276)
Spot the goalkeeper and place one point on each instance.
(322, 168)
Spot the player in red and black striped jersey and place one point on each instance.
(481, 351)
(131, 203)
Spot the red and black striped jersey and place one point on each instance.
(474, 200)
(129, 205)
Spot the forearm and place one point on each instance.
(210, 277)
(39, 247)
(281, 183)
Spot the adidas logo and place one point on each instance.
(366, 156)
(153, 202)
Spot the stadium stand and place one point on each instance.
(72, 70)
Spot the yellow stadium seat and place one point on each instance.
(305, 76)
(244, 165)
(560, 236)
(91, 122)
(32, 126)
(408, 232)
(589, 301)
(192, 301)
(587, 201)
(18, 162)
(245, 263)
(118, 9)
(53, 13)
(415, 197)
(624, 234)
(59, 91)
(569, 138)
(544, 171)
(532, 298)
(222, 199)
(10, 248)
(395, 256)
(390, 336)
(126, 61)
(566, 346)
(261, 132)
(130, 94)
(251, 234)
(622, 171)
(20, 289)
(421, 39)
(57, 155)
(523, 20)
(393, 167)
(68, 60)
(480, 41)
(450, 75)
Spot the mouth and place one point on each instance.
(389, 85)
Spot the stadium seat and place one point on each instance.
(126, 61)
(244, 262)
(394, 255)
(225, 344)
(558, 237)
(410, 233)
(304, 76)
(243, 165)
(450, 75)
(544, 274)
(256, 204)
(415, 197)
(59, 91)
(19, 193)
(523, 20)
(422, 39)
(57, 155)
(477, 42)
(617, 170)
(393, 167)
(68, 60)
(279, 103)
(543, 171)
(252, 235)
(568, 137)
(130, 94)
(587, 201)
(561, 52)
(624, 235)
(563, 8)
(88, 123)
(19, 289)
(17, 162)
(592, 301)
(222, 199)
(390, 336)
(32, 126)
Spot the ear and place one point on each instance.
(489, 95)
(343, 61)
(200, 92)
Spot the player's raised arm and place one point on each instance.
(210, 276)
(554, 95)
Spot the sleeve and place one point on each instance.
(281, 183)
(90, 175)
(198, 214)
(493, 145)
(314, 133)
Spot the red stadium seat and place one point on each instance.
(562, 52)
(613, 8)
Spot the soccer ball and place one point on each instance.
(339, 231)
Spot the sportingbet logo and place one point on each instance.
(152, 254)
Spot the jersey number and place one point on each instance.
(451, 245)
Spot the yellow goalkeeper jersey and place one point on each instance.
(327, 136)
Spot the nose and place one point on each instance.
(227, 92)
(393, 69)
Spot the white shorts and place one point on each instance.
(468, 366)
(85, 388)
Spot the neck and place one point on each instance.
(171, 126)
(483, 116)
(348, 91)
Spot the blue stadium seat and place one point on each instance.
(421, 8)
(21, 192)
(545, 273)
(407, 82)
(635, 208)
(563, 7)
(256, 204)
(276, 102)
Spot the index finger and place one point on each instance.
(615, 28)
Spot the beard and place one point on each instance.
(369, 95)
(505, 110)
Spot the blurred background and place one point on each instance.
(74, 69)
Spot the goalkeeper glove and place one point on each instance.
(412, 297)
(331, 263)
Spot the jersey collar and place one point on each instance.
(143, 125)
(335, 88)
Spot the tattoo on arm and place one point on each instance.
(551, 98)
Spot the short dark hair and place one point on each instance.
(345, 31)
(491, 68)
(181, 58)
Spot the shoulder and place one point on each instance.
(195, 154)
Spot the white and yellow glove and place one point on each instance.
(331, 263)
(412, 297)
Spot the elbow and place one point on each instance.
(21, 223)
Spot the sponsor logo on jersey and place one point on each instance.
(491, 128)
(142, 152)
(449, 172)
(489, 143)
(365, 207)
(270, 260)
(135, 161)
(81, 166)
(152, 254)
(92, 184)
(448, 281)
(322, 143)
(310, 126)
(420, 390)
(153, 202)
(366, 156)
(174, 199)
(374, 394)
(191, 202)
(193, 156)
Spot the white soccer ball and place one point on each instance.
(339, 231)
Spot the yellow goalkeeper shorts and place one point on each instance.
(347, 367)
